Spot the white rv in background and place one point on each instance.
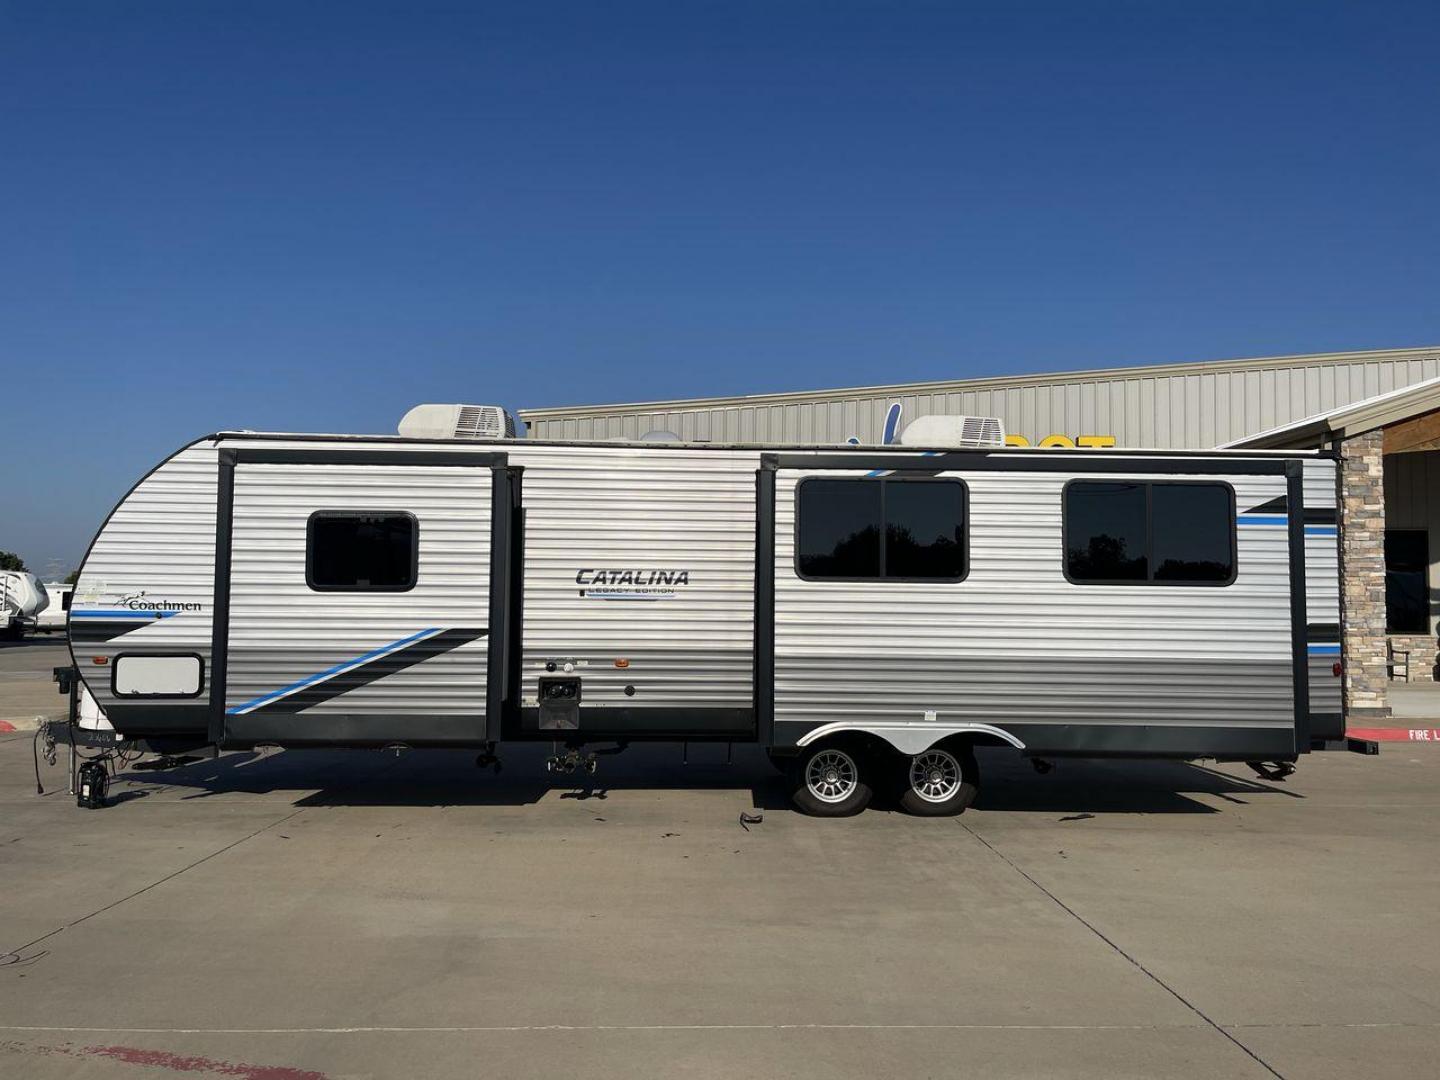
(868, 615)
(22, 599)
(53, 618)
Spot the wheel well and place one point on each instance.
(979, 738)
(906, 739)
(855, 740)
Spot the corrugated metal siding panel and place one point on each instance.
(282, 631)
(1192, 410)
(631, 509)
(1322, 552)
(160, 542)
(1016, 642)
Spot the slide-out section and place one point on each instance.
(358, 590)
(1117, 607)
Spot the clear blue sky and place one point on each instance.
(310, 216)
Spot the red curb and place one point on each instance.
(1395, 734)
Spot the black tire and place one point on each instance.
(832, 780)
(940, 782)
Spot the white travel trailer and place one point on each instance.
(22, 599)
(57, 611)
(867, 615)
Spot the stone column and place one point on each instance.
(1362, 575)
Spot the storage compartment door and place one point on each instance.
(359, 601)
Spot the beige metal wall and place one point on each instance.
(1170, 406)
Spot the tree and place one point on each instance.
(72, 577)
(10, 561)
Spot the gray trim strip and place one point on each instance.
(1101, 461)
(338, 456)
(764, 675)
(1299, 631)
(220, 622)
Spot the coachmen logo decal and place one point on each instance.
(130, 611)
(644, 584)
(139, 602)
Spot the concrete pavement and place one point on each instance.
(26, 689)
(336, 915)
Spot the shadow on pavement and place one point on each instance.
(450, 778)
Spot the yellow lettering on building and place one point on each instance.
(1088, 441)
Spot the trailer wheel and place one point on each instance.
(939, 782)
(831, 780)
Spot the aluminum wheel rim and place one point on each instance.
(935, 775)
(832, 776)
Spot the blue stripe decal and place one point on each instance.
(336, 670)
(1281, 519)
(1324, 650)
(124, 613)
(888, 472)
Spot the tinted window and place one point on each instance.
(1407, 599)
(1190, 528)
(881, 528)
(839, 529)
(924, 529)
(354, 552)
(1105, 532)
(1119, 532)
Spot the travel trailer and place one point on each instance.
(57, 612)
(22, 599)
(868, 615)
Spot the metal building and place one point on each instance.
(1166, 406)
(1380, 409)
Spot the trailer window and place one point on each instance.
(1161, 533)
(884, 528)
(361, 552)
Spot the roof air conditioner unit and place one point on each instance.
(457, 422)
(965, 432)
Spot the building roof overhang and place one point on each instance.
(1382, 411)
